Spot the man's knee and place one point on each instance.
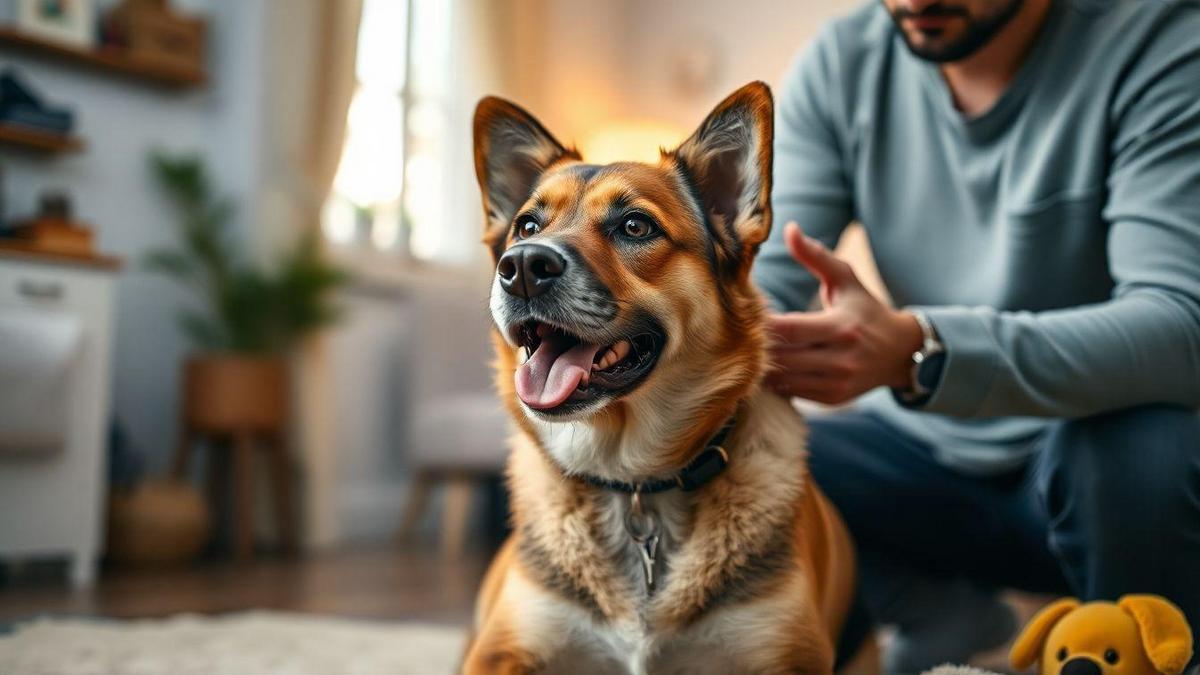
(1124, 466)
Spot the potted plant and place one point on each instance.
(251, 315)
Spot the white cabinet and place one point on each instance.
(52, 502)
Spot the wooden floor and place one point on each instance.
(378, 583)
(370, 583)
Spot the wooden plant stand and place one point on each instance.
(238, 405)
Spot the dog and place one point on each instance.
(663, 519)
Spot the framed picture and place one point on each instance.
(71, 22)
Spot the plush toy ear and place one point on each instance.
(1164, 630)
(728, 162)
(512, 149)
(1028, 647)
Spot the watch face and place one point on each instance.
(929, 370)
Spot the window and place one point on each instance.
(391, 182)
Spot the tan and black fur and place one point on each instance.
(757, 571)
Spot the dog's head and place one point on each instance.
(622, 290)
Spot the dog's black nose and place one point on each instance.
(529, 270)
(1080, 665)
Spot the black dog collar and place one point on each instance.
(707, 465)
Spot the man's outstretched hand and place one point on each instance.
(852, 345)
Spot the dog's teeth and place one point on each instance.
(613, 356)
(620, 350)
(604, 362)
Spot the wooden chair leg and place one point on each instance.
(243, 496)
(414, 506)
(217, 466)
(459, 490)
(183, 453)
(281, 488)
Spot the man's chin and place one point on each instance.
(955, 41)
(941, 48)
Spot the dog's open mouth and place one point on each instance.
(564, 372)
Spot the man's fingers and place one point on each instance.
(811, 387)
(821, 361)
(803, 329)
(828, 268)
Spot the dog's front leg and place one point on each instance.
(491, 655)
(513, 635)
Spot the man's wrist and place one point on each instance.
(910, 339)
(927, 363)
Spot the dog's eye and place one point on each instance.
(527, 227)
(1111, 657)
(1062, 654)
(637, 227)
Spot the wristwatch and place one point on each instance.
(927, 363)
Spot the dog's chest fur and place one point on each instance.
(730, 543)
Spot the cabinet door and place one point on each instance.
(54, 505)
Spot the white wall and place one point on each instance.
(121, 121)
(747, 39)
(620, 59)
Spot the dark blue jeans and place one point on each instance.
(1108, 505)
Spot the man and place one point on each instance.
(1028, 173)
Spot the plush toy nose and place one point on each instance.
(1080, 665)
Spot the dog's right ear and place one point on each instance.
(1028, 647)
(512, 149)
(728, 163)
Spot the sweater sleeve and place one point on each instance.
(1141, 346)
(811, 185)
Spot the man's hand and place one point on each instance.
(852, 345)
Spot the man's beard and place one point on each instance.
(979, 31)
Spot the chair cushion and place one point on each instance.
(466, 431)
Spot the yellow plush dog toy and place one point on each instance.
(1139, 635)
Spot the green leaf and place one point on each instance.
(173, 263)
(202, 331)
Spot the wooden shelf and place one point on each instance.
(109, 59)
(14, 249)
(41, 141)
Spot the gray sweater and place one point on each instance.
(1053, 241)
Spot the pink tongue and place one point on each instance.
(553, 372)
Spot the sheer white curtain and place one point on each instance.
(310, 79)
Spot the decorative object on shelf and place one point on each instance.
(236, 387)
(68, 22)
(53, 230)
(21, 106)
(149, 31)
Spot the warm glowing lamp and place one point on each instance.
(630, 140)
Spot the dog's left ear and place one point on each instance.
(1164, 631)
(728, 162)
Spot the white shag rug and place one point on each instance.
(251, 643)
